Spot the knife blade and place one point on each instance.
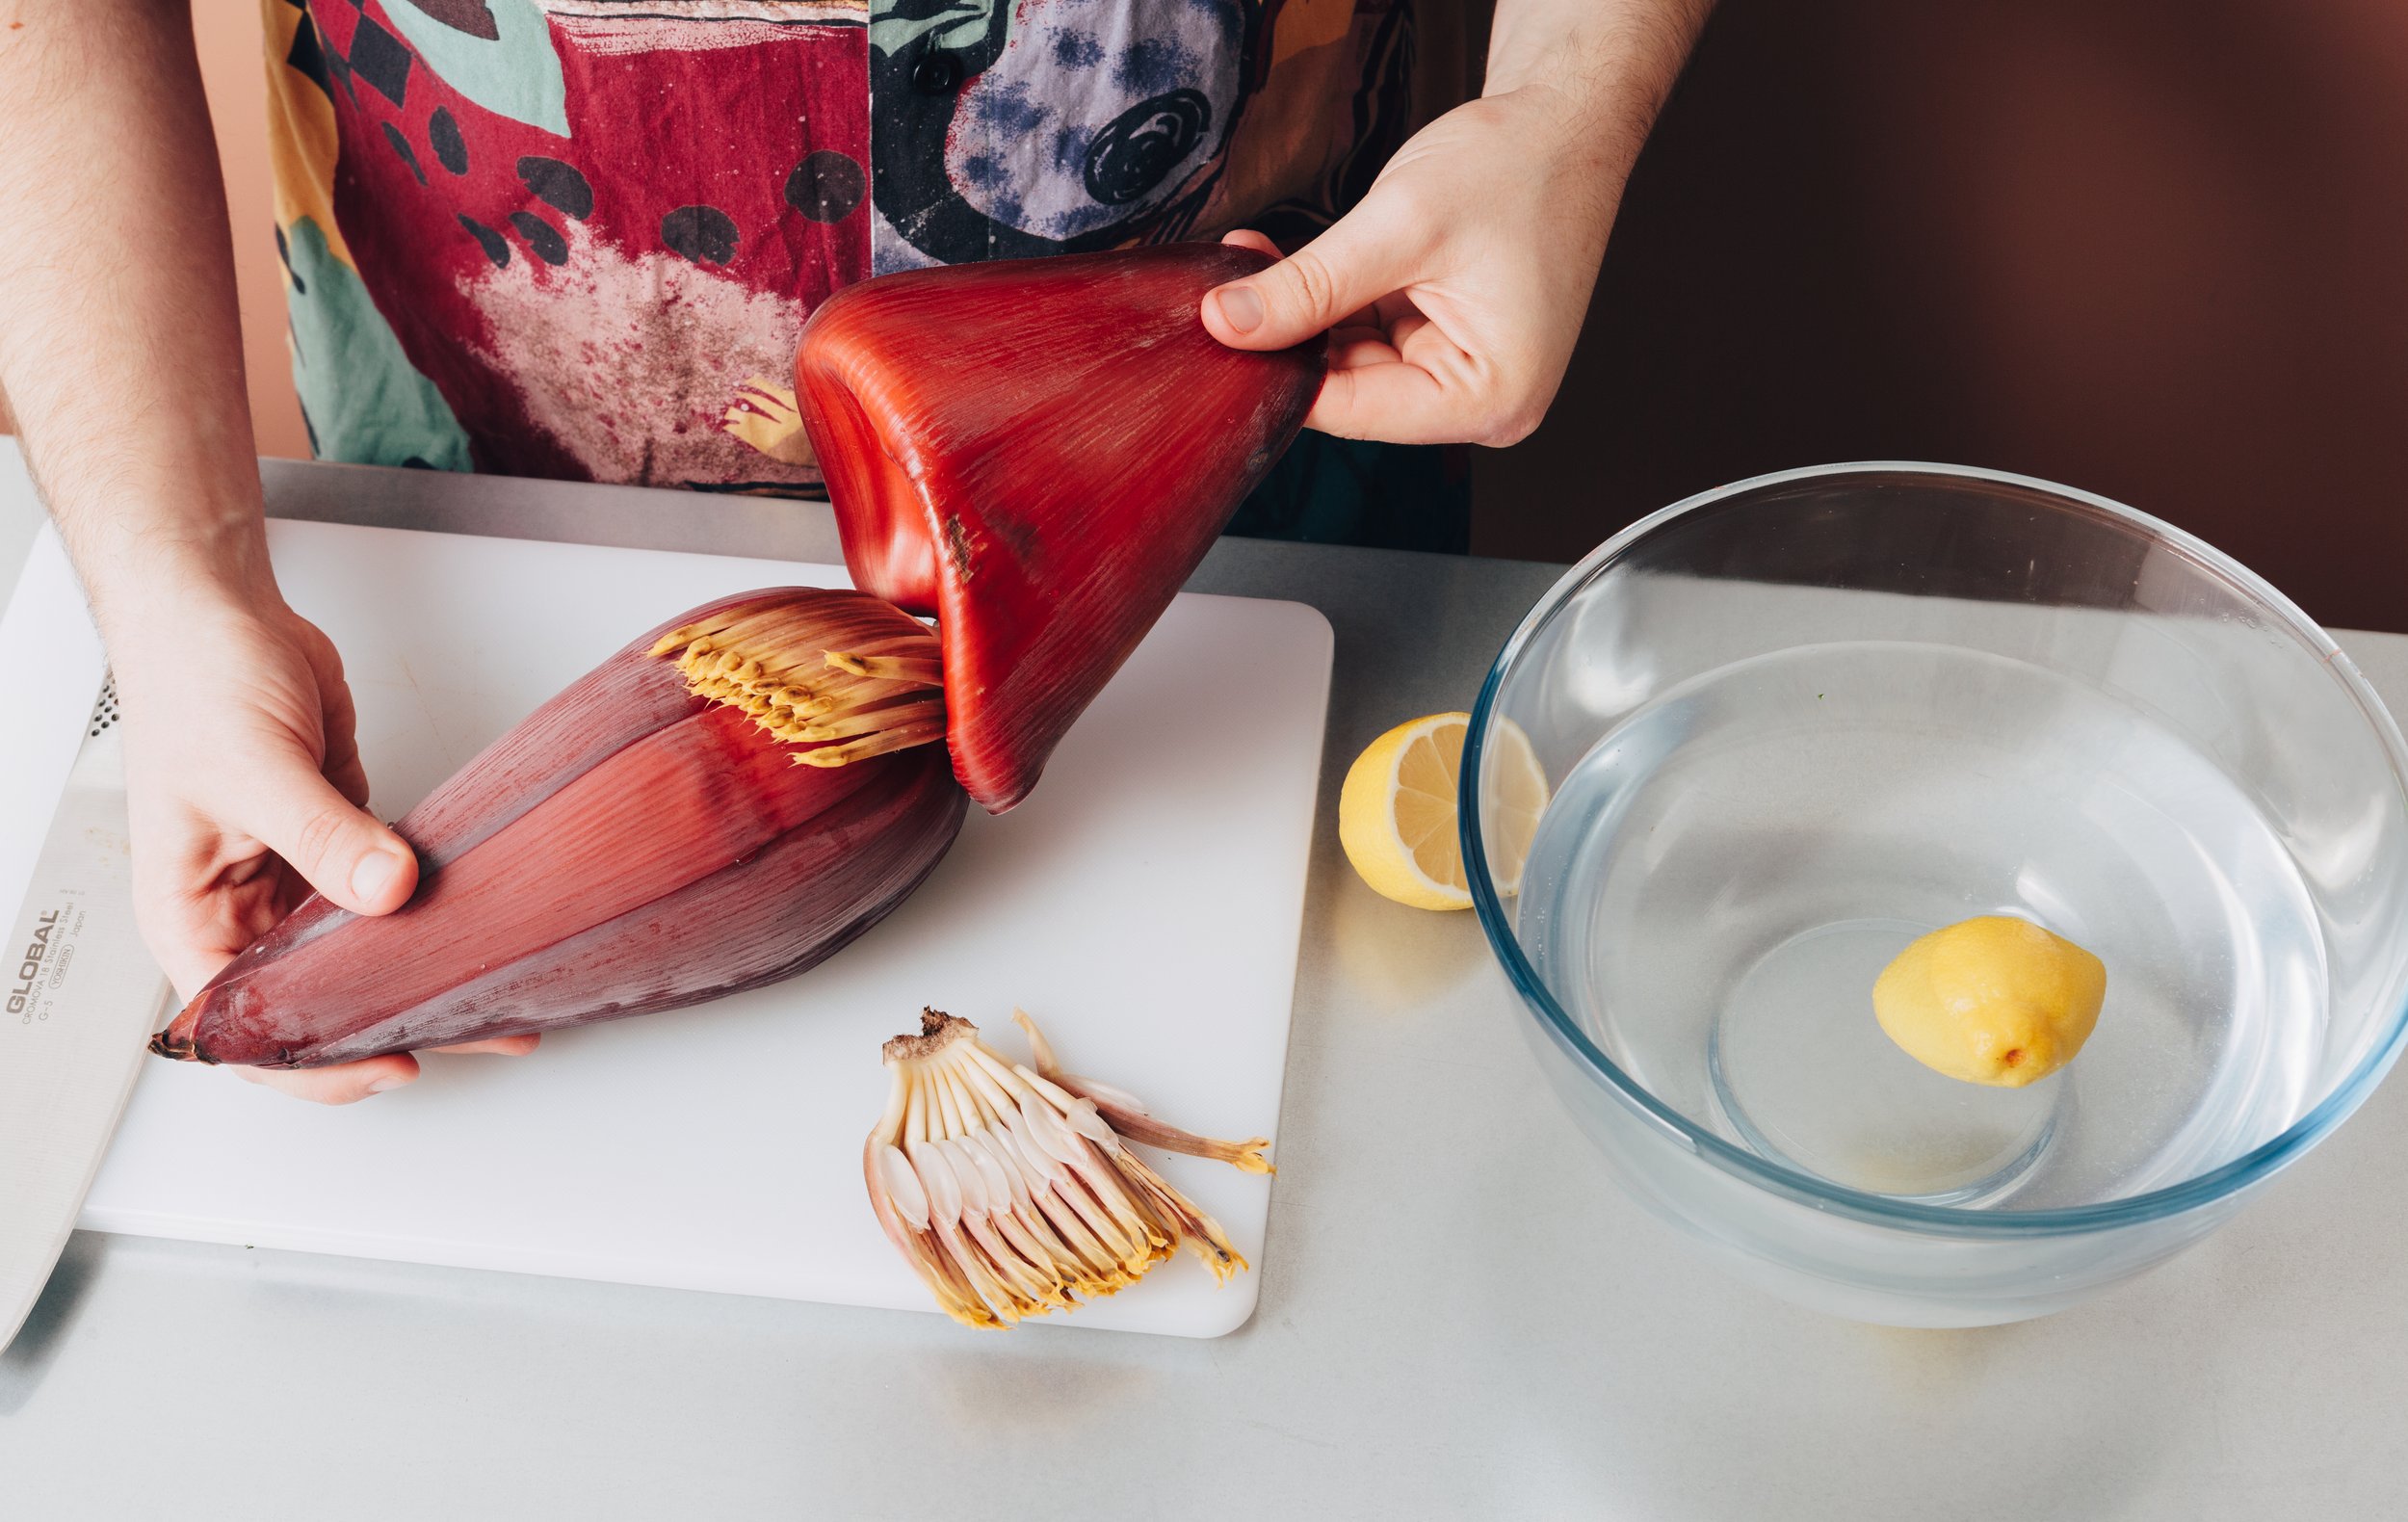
(79, 997)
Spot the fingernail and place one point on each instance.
(1240, 307)
(383, 1084)
(375, 873)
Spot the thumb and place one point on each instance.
(1344, 269)
(339, 849)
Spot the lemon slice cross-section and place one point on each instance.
(1396, 811)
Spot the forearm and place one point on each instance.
(1614, 62)
(119, 340)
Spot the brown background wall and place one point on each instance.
(2157, 248)
(2152, 247)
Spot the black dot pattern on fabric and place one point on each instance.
(704, 234)
(826, 186)
(378, 58)
(542, 236)
(496, 246)
(400, 145)
(559, 185)
(451, 150)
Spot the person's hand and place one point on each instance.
(1454, 291)
(245, 792)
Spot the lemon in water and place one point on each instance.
(1994, 1000)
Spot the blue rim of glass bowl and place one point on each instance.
(1679, 1130)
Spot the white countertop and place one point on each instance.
(1460, 1315)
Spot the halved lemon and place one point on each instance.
(1396, 811)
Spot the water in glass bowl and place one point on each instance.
(1716, 885)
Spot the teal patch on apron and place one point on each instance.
(364, 402)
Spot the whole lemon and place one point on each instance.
(1993, 1000)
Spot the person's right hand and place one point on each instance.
(245, 792)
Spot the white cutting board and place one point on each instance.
(1144, 905)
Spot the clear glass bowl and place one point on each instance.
(1790, 725)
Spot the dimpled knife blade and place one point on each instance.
(79, 997)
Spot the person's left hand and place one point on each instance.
(1454, 291)
(244, 793)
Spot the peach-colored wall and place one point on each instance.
(234, 71)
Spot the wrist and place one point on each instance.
(1605, 65)
(166, 601)
(150, 572)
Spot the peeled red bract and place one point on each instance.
(644, 840)
(1038, 452)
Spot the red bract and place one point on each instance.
(1038, 452)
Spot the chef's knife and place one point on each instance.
(79, 997)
